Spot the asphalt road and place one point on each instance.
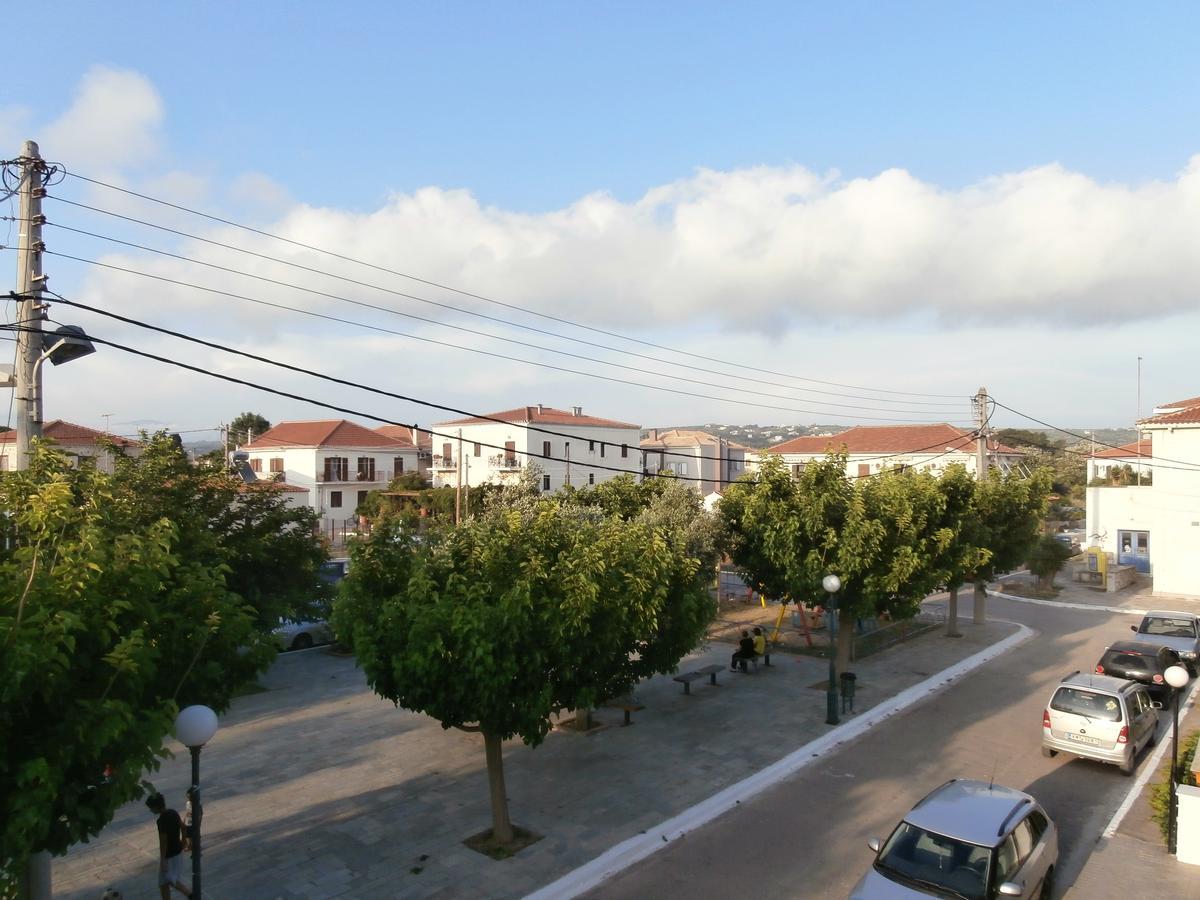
(807, 836)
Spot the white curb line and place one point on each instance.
(1125, 610)
(625, 854)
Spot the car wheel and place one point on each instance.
(1048, 753)
(1047, 890)
(1128, 766)
(302, 642)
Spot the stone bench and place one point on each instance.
(686, 678)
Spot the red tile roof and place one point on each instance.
(539, 415)
(68, 433)
(890, 439)
(401, 433)
(1190, 416)
(324, 433)
(1140, 447)
(1179, 404)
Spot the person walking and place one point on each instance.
(170, 847)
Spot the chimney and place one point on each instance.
(654, 434)
(539, 409)
(577, 410)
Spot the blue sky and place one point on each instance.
(530, 109)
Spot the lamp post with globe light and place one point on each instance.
(832, 585)
(195, 727)
(1177, 678)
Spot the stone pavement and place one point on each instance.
(317, 788)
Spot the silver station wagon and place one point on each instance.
(966, 839)
(1100, 717)
(1178, 630)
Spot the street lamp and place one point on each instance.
(195, 727)
(832, 585)
(1177, 678)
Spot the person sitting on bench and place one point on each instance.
(744, 652)
(760, 643)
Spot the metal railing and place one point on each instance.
(504, 461)
(352, 475)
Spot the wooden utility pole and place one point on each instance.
(979, 613)
(30, 281)
(458, 470)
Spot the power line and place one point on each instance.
(487, 299)
(457, 309)
(381, 329)
(351, 301)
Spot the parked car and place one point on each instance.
(334, 570)
(1178, 630)
(1137, 661)
(966, 839)
(302, 635)
(1068, 540)
(1100, 717)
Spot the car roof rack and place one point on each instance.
(934, 791)
(1016, 809)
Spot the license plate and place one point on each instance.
(1083, 739)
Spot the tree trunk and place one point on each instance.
(980, 603)
(583, 720)
(952, 614)
(845, 639)
(502, 830)
(35, 879)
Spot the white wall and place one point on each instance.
(1113, 509)
(1175, 545)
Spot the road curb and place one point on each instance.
(1066, 604)
(639, 847)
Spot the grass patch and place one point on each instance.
(1024, 589)
(1160, 793)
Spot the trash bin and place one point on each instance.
(848, 679)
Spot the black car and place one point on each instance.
(1135, 661)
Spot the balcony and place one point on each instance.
(443, 462)
(504, 461)
(381, 476)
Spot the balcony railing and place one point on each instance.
(504, 461)
(381, 475)
(443, 462)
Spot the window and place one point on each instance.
(366, 468)
(447, 451)
(336, 468)
(624, 451)
(335, 499)
(1023, 836)
(1037, 822)
(256, 465)
(545, 448)
(398, 465)
(276, 463)
(591, 446)
(478, 449)
(602, 449)
(591, 477)
(362, 497)
(1006, 860)
(545, 482)
(864, 469)
(510, 453)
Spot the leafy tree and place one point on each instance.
(1006, 519)
(268, 550)
(532, 608)
(961, 555)
(245, 425)
(111, 618)
(1045, 559)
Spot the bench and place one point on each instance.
(629, 707)
(765, 658)
(686, 678)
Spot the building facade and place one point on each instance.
(709, 463)
(567, 447)
(76, 441)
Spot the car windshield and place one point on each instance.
(1168, 627)
(948, 866)
(1087, 703)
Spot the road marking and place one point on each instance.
(1124, 610)
(625, 854)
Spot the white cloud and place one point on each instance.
(115, 121)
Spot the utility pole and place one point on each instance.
(568, 463)
(979, 613)
(30, 281)
(458, 470)
(1135, 423)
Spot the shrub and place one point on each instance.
(1160, 793)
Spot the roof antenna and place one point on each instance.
(992, 780)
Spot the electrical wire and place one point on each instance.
(408, 296)
(372, 306)
(381, 329)
(486, 299)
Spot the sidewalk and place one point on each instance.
(317, 788)
(1133, 600)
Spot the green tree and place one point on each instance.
(1045, 558)
(961, 555)
(110, 622)
(269, 550)
(518, 614)
(245, 426)
(1006, 519)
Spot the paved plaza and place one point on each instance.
(317, 788)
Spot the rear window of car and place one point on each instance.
(1129, 662)
(1092, 704)
(1169, 627)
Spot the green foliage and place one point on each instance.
(1046, 558)
(246, 424)
(114, 612)
(1160, 791)
(520, 613)
(1006, 518)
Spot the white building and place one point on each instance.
(873, 449)
(711, 463)
(568, 447)
(1156, 526)
(1135, 455)
(337, 461)
(77, 442)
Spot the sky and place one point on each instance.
(668, 214)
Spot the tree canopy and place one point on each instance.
(527, 610)
(246, 425)
(115, 610)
